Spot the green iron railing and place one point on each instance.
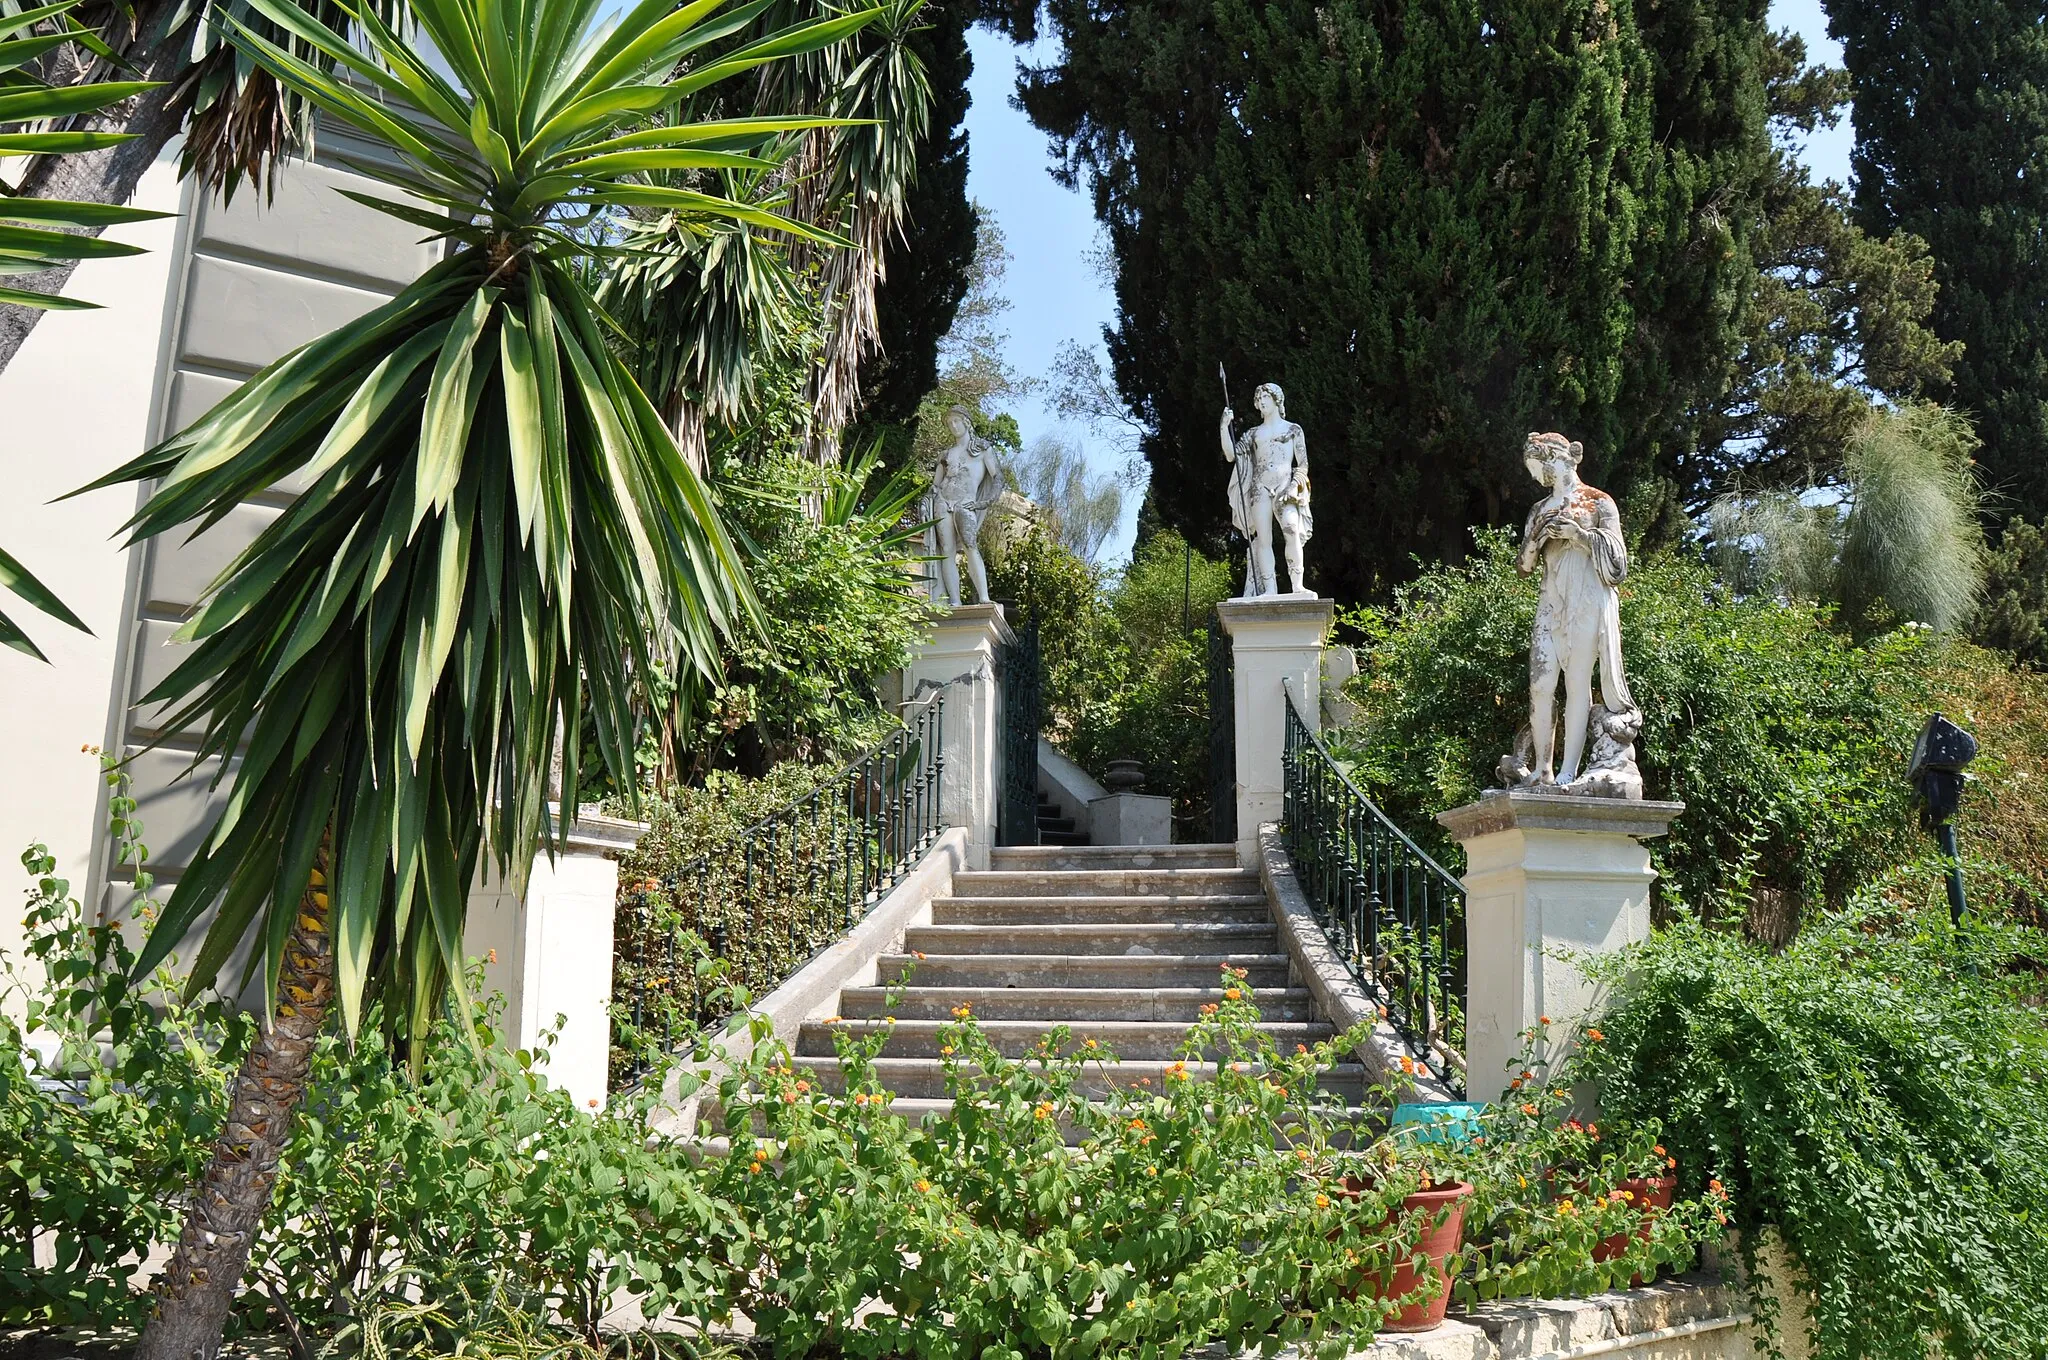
(1394, 915)
(797, 881)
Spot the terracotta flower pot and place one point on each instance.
(1443, 1232)
(1649, 1195)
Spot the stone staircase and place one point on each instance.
(1121, 944)
(1054, 828)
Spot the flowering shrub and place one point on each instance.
(1552, 1190)
(1177, 1217)
(1056, 1206)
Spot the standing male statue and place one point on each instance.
(965, 486)
(1575, 532)
(1269, 482)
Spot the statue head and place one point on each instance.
(960, 421)
(1269, 401)
(1543, 453)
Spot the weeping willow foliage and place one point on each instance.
(1898, 539)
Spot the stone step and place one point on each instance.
(923, 1077)
(1161, 938)
(1079, 970)
(1348, 1125)
(960, 911)
(1071, 1005)
(1106, 882)
(1129, 1040)
(1027, 857)
(1053, 821)
(1067, 839)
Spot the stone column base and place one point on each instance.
(1546, 875)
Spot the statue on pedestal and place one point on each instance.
(1269, 484)
(966, 484)
(1575, 533)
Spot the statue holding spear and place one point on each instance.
(1268, 488)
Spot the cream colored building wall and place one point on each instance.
(75, 402)
(225, 289)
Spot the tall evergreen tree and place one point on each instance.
(928, 265)
(1951, 116)
(1834, 319)
(1437, 225)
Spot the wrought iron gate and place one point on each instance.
(1222, 737)
(1017, 819)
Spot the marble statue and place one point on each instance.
(1269, 484)
(966, 485)
(1575, 534)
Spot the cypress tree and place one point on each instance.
(1438, 225)
(928, 266)
(1951, 117)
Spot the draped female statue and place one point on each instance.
(1574, 532)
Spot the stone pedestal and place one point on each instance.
(961, 656)
(550, 953)
(1130, 819)
(1273, 639)
(1545, 872)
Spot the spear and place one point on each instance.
(1237, 471)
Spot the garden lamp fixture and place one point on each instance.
(1940, 757)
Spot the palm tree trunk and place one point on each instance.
(197, 1289)
(108, 175)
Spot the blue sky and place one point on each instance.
(1054, 293)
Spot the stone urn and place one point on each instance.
(1124, 776)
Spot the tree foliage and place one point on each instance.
(1951, 115)
(1435, 229)
(1833, 317)
(928, 267)
(1877, 1093)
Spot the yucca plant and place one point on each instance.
(851, 177)
(495, 523)
(32, 235)
(707, 306)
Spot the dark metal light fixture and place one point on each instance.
(1940, 757)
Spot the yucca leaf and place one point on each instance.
(22, 582)
(24, 20)
(60, 101)
(755, 131)
(40, 245)
(75, 214)
(689, 200)
(57, 143)
(49, 302)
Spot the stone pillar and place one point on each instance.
(550, 953)
(1273, 639)
(1545, 872)
(961, 655)
(1131, 819)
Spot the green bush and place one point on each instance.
(707, 915)
(471, 1199)
(110, 1099)
(1785, 740)
(1877, 1092)
(1126, 660)
(829, 552)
